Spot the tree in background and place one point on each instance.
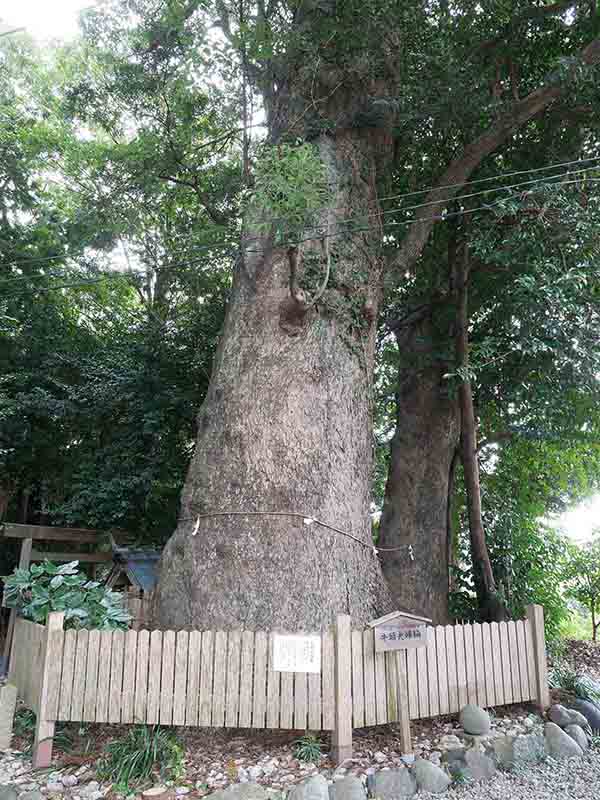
(583, 577)
(103, 370)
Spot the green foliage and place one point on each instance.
(562, 676)
(143, 751)
(578, 623)
(44, 588)
(582, 577)
(24, 723)
(308, 748)
(290, 186)
(101, 380)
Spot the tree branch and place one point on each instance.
(459, 171)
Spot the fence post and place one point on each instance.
(342, 734)
(535, 615)
(403, 715)
(44, 729)
(8, 701)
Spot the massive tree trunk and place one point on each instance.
(286, 429)
(286, 424)
(415, 510)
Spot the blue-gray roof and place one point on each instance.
(139, 566)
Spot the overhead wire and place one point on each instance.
(399, 196)
(363, 229)
(377, 214)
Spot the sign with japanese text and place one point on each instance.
(400, 634)
(296, 653)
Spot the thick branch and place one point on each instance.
(463, 167)
(216, 216)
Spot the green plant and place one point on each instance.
(564, 677)
(461, 776)
(24, 723)
(308, 748)
(24, 728)
(291, 185)
(143, 750)
(46, 587)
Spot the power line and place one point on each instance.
(440, 218)
(378, 214)
(384, 199)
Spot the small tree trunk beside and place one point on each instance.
(490, 606)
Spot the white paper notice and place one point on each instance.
(295, 653)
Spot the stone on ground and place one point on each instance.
(577, 718)
(479, 766)
(577, 733)
(431, 778)
(590, 711)
(559, 715)
(156, 793)
(253, 791)
(475, 720)
(390, 784)
(348, 788)
(314, 788)
(559, 744)
(528, 749)
(454, 756)
(8, 793)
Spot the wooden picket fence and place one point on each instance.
(226, 679)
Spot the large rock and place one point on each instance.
(559, 715)
(456, 755)
(475, 720)
(252, 791)
(590, 711)
(480, 767)
(559, 744)
(431, 778)
(314, 788)
(577, 733)
(529, 749)
(516, 751)
(450, 742)
(348, 788)
(389, 784)
(577, 718)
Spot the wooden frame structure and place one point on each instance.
(28, 534)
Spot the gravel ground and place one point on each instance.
(552, 780)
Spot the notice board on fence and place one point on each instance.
(296, 653)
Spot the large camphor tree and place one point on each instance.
(285, 432)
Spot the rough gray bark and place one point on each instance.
(415, 510)
(285, 427)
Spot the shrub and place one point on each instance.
(46, 587)
(143, 750)
(564, 677)
(308, 748)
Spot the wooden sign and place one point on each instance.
(400, 631)
(296, 653)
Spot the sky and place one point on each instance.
(49, 19)
(44, 19)
(579, 522)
